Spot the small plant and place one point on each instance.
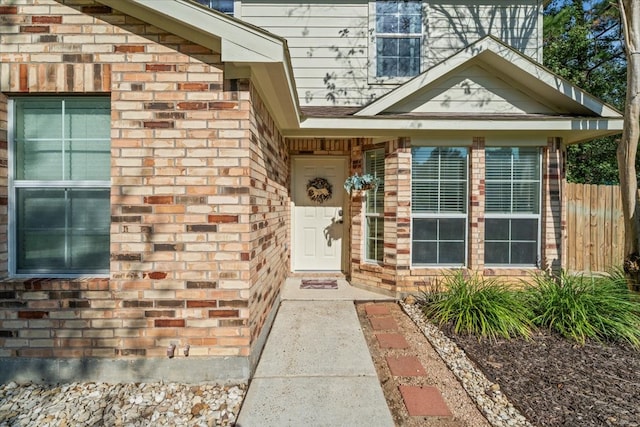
(580, 308)
(484, 308)
(434, 292)
(361, 182)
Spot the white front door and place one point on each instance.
(318, 227)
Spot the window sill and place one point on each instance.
(509, 270)
(436, 270)
(371, 266)
(388, 81)
(43, 276)
(30, 283)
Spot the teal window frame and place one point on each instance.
(59, 186)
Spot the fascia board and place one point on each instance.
(154, 16)
(401, 126)
(193, 20)
(571, 131)
(240, 53)
(538, 73)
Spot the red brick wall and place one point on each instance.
(61, 318)
(199, 220)
(268, 246)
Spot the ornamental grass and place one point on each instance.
(577, 307)
(477, 306)
(580, 307)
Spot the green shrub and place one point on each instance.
(578, 307)
(479, 307)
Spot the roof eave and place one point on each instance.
(237, 42)
(572, 130)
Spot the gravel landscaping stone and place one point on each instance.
(98, 404)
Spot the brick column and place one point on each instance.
(391, 202)
(3, 187)
(476, 205)
(355, 208)
(403, 214)
(553, 216)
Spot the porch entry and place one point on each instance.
(318, 229)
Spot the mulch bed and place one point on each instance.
(555, 382)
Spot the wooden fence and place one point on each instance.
(595, 229)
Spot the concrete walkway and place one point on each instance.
(316, 369)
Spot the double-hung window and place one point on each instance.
(512, 206)
(398, 37)
(224, 6)
(374, 206)
(439, 206)
(59, 185)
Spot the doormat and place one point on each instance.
(319, 284)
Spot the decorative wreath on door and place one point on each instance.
(319, 190)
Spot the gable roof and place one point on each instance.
(513, 68)
(507, 93)
(246, 46)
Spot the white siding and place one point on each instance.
(329, 46)
(331, 41)
(472, 90)
(454, 24)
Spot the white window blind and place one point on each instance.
(512, 180)
(374, 206)
(439, 180)
(374, 165)
(439, 205)
(512, 206)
